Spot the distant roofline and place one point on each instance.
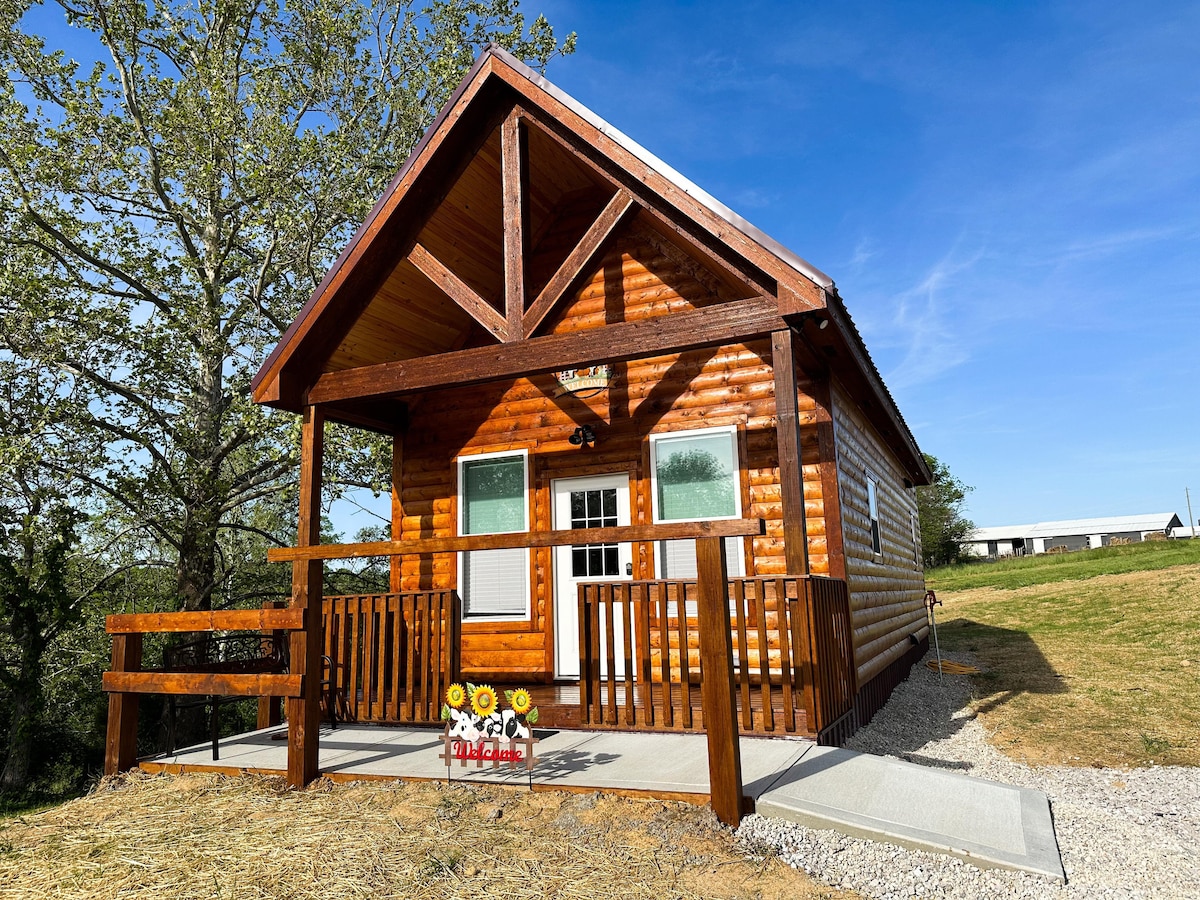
(1062, 527)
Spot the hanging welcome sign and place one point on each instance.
(584, 382)
(479, 731)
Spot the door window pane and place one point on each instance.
(594, 509)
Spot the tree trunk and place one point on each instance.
(23, 726)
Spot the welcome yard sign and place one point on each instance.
(478, 731)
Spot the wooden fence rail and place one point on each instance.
(827, 606)
(127, 679)
(392, 656)
(641, 665)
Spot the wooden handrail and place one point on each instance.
(626, 533)
(218, 620)
(203, 683)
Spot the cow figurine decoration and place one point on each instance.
(474, 719)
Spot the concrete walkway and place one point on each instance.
(983, 822)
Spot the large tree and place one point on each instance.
(178, 184)
(941, 509)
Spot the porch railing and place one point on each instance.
(391, 656)
(641, 665)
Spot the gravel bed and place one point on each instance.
(1122, 833)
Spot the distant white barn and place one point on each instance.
(1071, 534)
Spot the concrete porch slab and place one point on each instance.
(984, 822)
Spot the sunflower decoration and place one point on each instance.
(520, 701)
(522, 705)
(456, 695)
(483, 700)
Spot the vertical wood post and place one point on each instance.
(717, 690)
(514, 177)
(120, 748)
(397, 509)
(304, 712)
(822, 394)
(270, 709)
(791, 471)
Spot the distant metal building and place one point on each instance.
(1071, 534)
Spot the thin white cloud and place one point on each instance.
(921, 324)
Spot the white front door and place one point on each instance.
(598, 501)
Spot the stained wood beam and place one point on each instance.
(202, 684)
(395, 581)
(717, 324)
(579, 259)
(717, 690)
(303, 709)
(831, 498)
(458, 291)
(622, 534)
(120, 747)
(791, 469)
(514, 175)
(221, 620)
(640, 177)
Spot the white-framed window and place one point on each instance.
(694, 476)
(915, 539)
(873, 512)
(493, 498)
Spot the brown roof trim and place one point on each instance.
(697, 193)
(367, 226)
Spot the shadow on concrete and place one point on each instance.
(559, 764)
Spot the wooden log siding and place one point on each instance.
(886, 591)
(732, 384)
(391, 656)
(641, 660)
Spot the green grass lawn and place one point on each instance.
(1026, 571)
(1091, 658)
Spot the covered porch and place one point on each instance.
(722, 656)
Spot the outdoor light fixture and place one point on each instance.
(583, 436)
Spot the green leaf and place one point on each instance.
(531, 717)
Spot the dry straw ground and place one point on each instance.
(208, 836)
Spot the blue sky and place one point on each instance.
(1007, 195)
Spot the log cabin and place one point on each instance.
(633, 438)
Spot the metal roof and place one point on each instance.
(999, 533)
(1065, 527)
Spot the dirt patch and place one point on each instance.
(214, 836)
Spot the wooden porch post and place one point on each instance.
(717, 689)
(120, 748)
(304, 712)
(822, 394)
(394, 582)
(791, 470)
